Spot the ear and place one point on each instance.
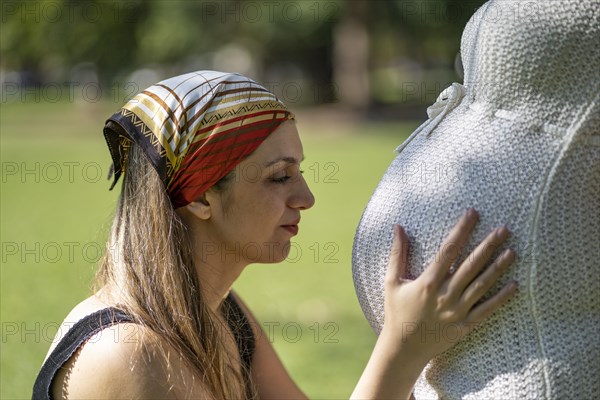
(200, 208)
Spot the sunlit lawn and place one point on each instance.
(56, 207)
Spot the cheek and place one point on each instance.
(258, 211)
(255, 206)
(268, 202)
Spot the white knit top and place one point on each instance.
(520, 142)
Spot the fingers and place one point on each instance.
(398, 264)
(487, 308)
(452, 246)
(486, 280)
(475, 262)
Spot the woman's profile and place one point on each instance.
(163, 322)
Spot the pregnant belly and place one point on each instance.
(549, 200)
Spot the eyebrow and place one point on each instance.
(289, 160)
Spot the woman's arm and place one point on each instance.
(268, 373)
(417, 312)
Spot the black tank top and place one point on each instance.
(96, 322)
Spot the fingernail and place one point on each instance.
(508, 253)
(502, 232)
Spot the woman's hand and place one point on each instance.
(429, 315)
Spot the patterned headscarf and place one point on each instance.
(194, 128)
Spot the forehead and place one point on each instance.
(283, 142)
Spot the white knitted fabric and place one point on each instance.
(520, 142)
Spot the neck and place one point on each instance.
(216, 274)
(217, 265)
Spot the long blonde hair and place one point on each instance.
(148, 263)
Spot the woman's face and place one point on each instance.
(258, 212)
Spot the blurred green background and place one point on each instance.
(358, 74)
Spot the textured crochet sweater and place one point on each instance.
(520, 142)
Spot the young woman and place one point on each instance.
(212, 161)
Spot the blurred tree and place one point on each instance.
(351, 62)
(365, 49)
(48, 37)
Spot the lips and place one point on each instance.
(292, 227)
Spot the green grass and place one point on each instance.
(53, 225)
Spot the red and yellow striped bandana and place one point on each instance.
(195, 128)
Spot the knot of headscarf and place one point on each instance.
(194, 128)
(447, 101)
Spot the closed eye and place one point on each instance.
(284, 179)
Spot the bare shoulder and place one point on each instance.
(114, 363)
(86, 307)
(126, 360)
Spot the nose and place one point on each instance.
(302, 198)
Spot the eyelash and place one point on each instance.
(283, 179)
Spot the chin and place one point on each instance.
(271, 253)
(278, 256)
